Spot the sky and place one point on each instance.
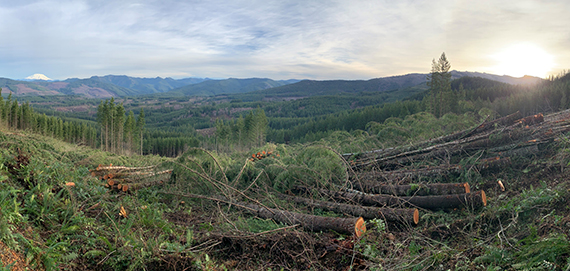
(283, 39)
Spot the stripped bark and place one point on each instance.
(410, 216)
(456, 201)
(413, 189)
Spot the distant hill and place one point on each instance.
(525, 80)
(228, 86)
(84, 87)
(244, 89)
(308, 88)
(148, 85)
(409, 84)
(95, 87)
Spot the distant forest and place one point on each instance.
(230, 122)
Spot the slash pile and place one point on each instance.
(490, 145)
(126, 179)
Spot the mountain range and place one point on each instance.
(121, 86)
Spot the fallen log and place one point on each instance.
(132, 186)
(404, 174)
(352, 226)
(401, 215)
(439, 202)
(474, 142)
(129, 174)
(458, 137)
(413, 189)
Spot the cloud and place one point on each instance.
(277, 39)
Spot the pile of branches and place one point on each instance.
(125, 179)
(493, 143)
(384, 178)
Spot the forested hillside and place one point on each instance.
(226, 86)
(148, 85)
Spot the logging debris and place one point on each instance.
(437, 202)
(398, 215)
(123, 179)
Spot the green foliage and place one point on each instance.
(313, 166)
(378, 224)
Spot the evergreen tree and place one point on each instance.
(2, 113)
(140, 127)
(102, 120)
(119, 124)
(441, 99)
(259, 128)
(130, 130)
(111, 124)
(7, 113)
(14, 114)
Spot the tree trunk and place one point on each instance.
(351, 226)
(354, 226)
(414, 189)
(471, 200)
(409, 215)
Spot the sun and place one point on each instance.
(523, 59)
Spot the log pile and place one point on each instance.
(382, 180)
(495, 142)
(125, 179)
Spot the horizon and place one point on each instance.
(281, 40)
(214, 78)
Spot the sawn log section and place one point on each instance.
(354, 226)
(401, 215)
(456, 201)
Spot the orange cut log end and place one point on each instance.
(467, 188)
(110, 182)
(125, 188)
(483, 198)
(359, 227)
(416, 216)
(119, 186)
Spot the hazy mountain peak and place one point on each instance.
(38, 76)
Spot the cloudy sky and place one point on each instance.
(280, 39)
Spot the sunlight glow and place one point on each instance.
(523, 59)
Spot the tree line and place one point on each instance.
(16, 116)
(243, 132)
(120, 133)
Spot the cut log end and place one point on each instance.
(359, 227)
(125, 188)
(467, 188)
(483, 198)
(416, 216)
